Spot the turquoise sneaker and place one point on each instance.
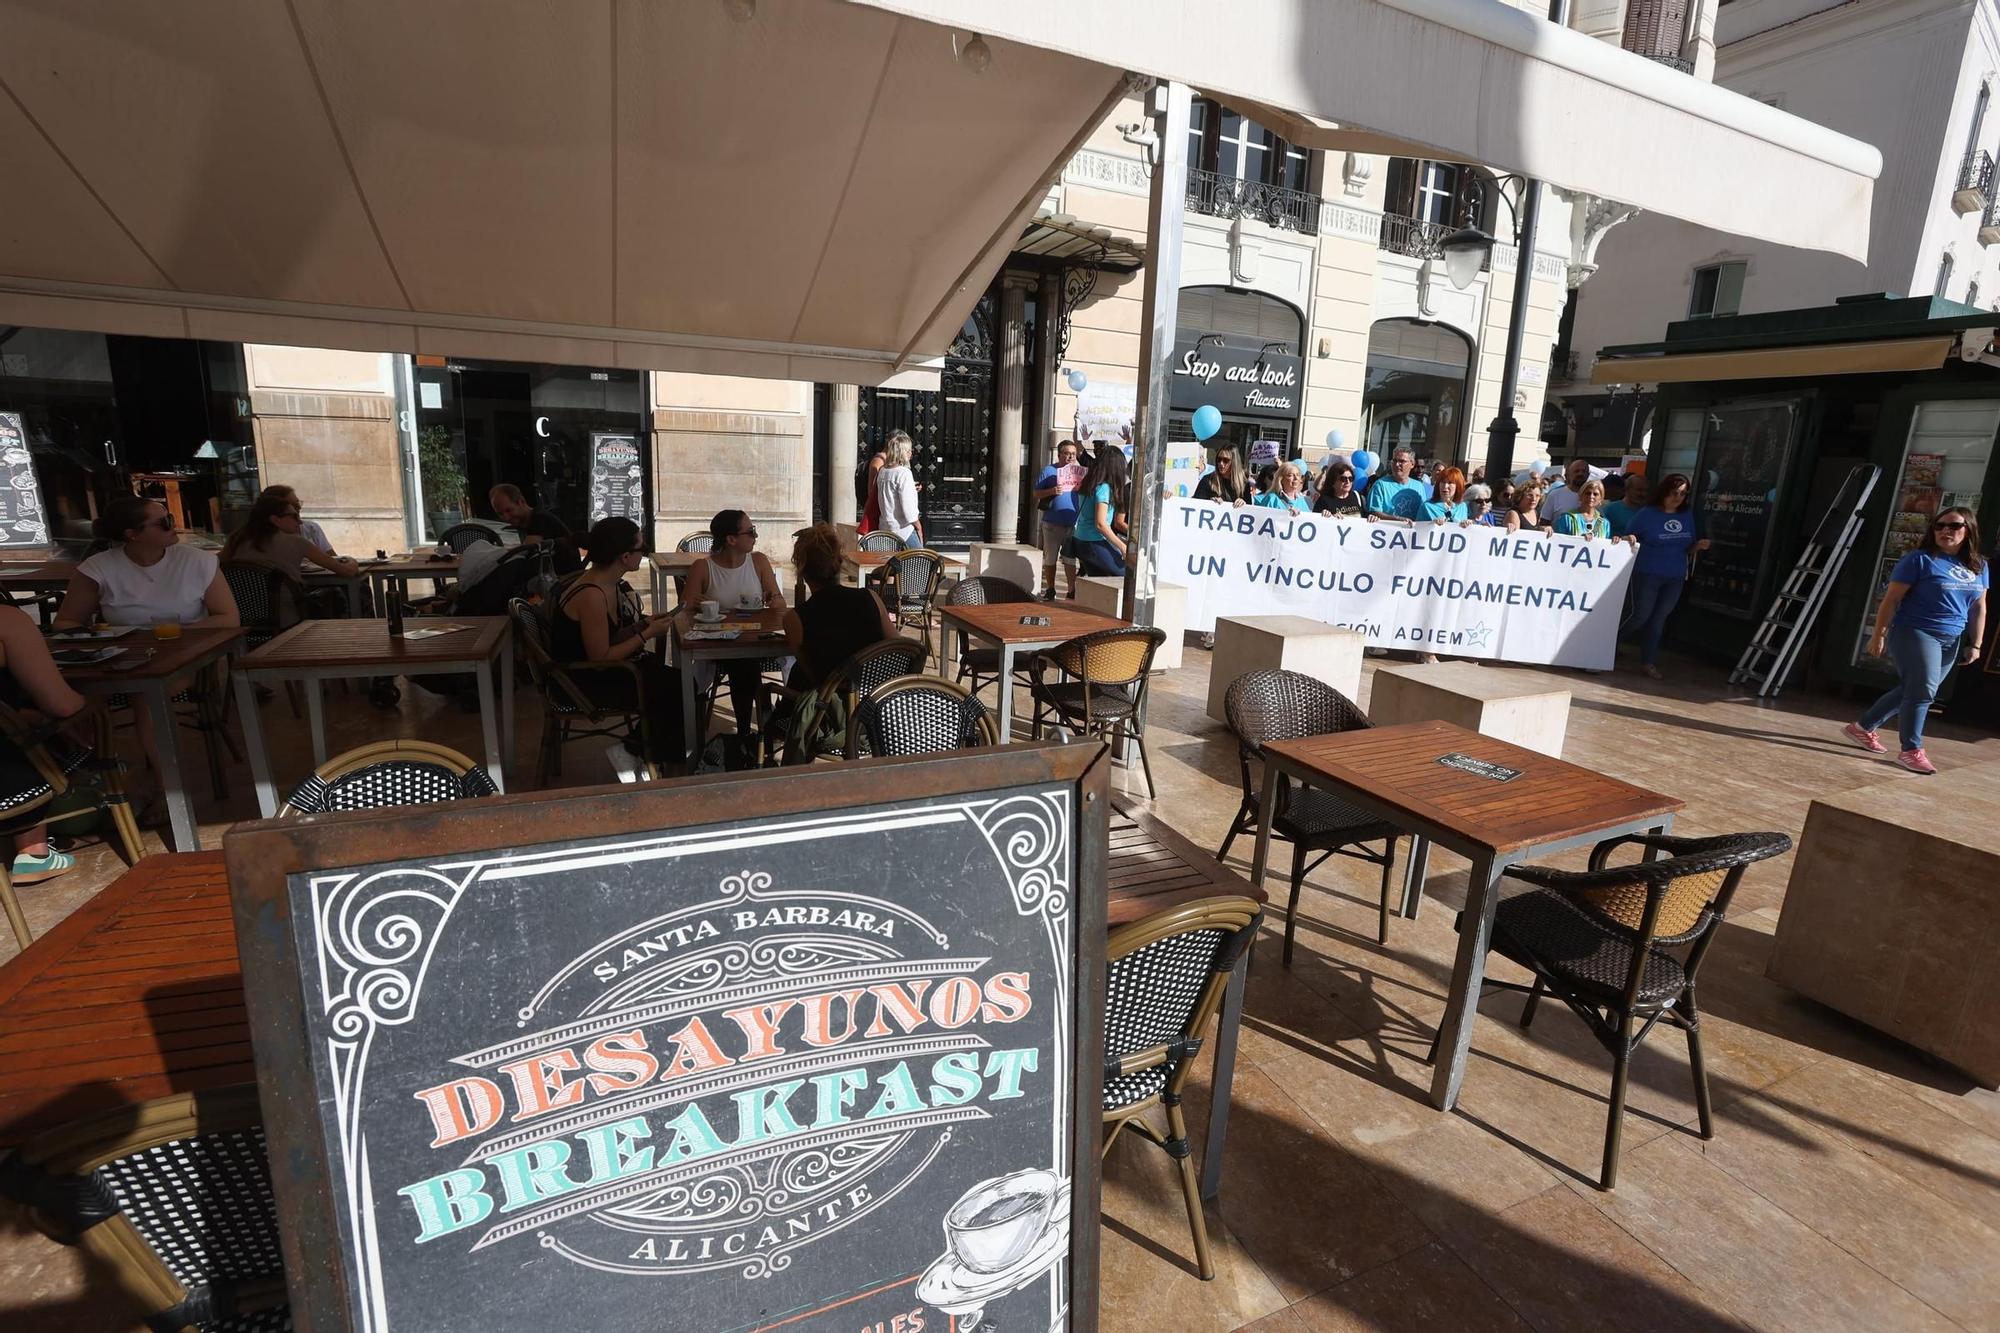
(35, 869)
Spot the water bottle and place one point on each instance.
(395, 611)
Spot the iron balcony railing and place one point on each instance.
(1214, 195)
(1681, 63)
(1408, 236)
(1975, 173)
(1989, 220)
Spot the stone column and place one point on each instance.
(1701, 40)
(1003, 513)
(843, 434)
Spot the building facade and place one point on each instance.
(1914, 77)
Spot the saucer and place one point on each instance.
(955, 1288)
(708, 620)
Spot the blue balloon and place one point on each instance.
(1207, 421)
(1334, 439)
(1771, 496)
(1360, 480)
(1363, 461)
(1077, 381)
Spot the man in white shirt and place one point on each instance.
(1564, 498)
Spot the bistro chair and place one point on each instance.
(984, 590)
(268, 602)
(881, 543)
(568, 710)
(908, 585)
(172, 1200)
(1164, 977)
(700, 542)
(923, 715)
(1620, 945)
(818, 723)
(462, 537)
(389, 773)
(75, 782)
(1095, 685)
(1279, 705)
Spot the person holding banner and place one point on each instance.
(1055, 496)
(1447, 487)
(1479, 509)
(1337, 495)
(1587, 520)
(1396, 496)
(1228, 483)
(1665, 533)
(1095, 541)
(1526, 509)
(1288, 491)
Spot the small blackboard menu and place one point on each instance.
(801, 1049)
(1479, 768)
(22, 522)
(617, 478)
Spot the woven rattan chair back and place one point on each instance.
(267, 599)
(881, 543)
(1684, 893)
(1278, 705)
(1113, 657)
(389, 773)
(986, 590)
(533, 632)
(914, 576)
(1164, 978)
(172, 1200)
(700, 542)
(923, 715)
(464, 536)
(865, 671)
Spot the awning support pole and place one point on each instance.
(1165, 216)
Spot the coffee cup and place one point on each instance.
(710, 610)
(996, 1223)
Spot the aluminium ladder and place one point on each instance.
(1774, 649)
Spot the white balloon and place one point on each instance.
(1077, 381)
(1334, 439)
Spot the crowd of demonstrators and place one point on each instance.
(594, 622)
(1396, 495)
(1936, 594)
(1098, 540)
(896, 493)
(1288, 490)
(536, 526)
(1665, 534)
(1585, 518)
(736, 577)
(31, 681)
(1227, 483)
(1056, 502)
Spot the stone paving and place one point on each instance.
(1852, 1183)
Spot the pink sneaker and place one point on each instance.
(1916, 761)
(1865, 739)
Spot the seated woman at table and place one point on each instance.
(838, 620)
(273, 536)
(1288, 491)
(145, 576)
(308, 529)
(736, 577)
(29, 679)
(593, 622)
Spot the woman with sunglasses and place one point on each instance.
(736, 577)
(1226, 483)
(1936, 593)
(145, 576)
(274, 535)
(594, 621)
(1337, 496)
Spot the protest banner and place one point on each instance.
(1441, 588)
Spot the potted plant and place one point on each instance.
(443, 480)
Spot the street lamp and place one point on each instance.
(1465, 253)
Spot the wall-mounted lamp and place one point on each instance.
(975, 55)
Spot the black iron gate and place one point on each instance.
(952, 431)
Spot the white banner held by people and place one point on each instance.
(1461, 591)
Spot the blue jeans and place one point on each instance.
(1654, 597)
(1922, 661)
(1098, 557)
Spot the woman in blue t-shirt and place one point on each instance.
(1288, 491)
(1096, 541)
(1665, 534)
(1587, 520)
(1448, 491)
(1935, 594)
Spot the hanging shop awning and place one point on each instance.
(802, 189)
(1475, 81)
(1770, 363)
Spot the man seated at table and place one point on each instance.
(535, 525)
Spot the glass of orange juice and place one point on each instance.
(166, 629)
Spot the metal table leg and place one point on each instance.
(253, 741)
(489, 728)
(180, 806)
(316, 717)
(508, 733)
(1415, 871)
(1006, 694)
(1267, 810)
(690, 711)
(1475, 929)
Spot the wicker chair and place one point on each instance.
(1164, 978)
(881, 543)
(1278, 705)
(835, 702)
(1095, 685)
(1620, 945)
(463, 537)
(923, 715)
(908, 585)
(66, 770)
(983, 590)
(696, 541)
(568, 710)
(268, 602)
(388, 773)
(171, 1198)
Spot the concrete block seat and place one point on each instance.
(1106, 594)
(1312, 647)
(1525, 708)
(1010, 560)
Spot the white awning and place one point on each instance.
(819, 192)
(1474, 81)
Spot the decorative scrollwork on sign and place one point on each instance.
(1028, 833)
(376, 934)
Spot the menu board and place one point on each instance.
(617, 477)
(792, 1049)
(22, 522)
(1746, 453)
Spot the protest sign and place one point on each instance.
(1441, 588)
(1104, 410)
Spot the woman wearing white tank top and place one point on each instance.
(736, 577)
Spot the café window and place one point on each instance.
(1227, 144)
(1446, 194)
(1944, 276)
(1718, 290)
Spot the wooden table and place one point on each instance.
(669, 567)
(355, 587)
(1150, 869)
(399, 570)
(162, 664)
(133, 996)
(763, 636)
(1394, 773)
(42, 580)
(1000, 625)
(316, 651)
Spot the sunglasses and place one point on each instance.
(747, 532)
(165, 523)
(1953, 525)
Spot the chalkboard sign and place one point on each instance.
(804, 1049)
(617, 478)
(22, 522)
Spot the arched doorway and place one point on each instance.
(1239, 352)
(1415, 390)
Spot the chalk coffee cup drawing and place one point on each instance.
(996, 1223)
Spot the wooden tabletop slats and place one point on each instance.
(1000, 622)
(411, 567)
(195, 647)
(1550, 801)
(368, 643)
